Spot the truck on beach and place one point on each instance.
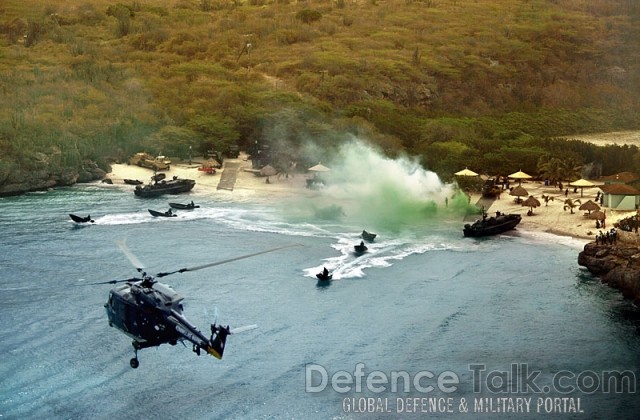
(145, 160)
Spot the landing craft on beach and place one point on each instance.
(488, 226)
(160, 186)
(152, 313)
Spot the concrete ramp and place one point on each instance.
(229, 176)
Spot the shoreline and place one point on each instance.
(549, 218)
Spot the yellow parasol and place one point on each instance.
(466, 172)
(519, 176)
(582, 184)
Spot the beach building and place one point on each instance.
(619, 191)
(620, 178)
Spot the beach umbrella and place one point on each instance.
(582, 184)
(268, 171)
(597, 215)
(519, 191)
(589, 206)
(466, 172)
(519, 176)
(531, 202)
(319, 168)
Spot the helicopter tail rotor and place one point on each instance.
(218, 340)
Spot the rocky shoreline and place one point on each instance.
(617, 263)
(20, 181)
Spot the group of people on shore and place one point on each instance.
(608, 238)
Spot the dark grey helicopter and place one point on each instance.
(152, 314)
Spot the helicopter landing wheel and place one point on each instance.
(134, 362)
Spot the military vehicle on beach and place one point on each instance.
(491, 189)
(145, 160)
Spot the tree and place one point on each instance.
(172, 141)
(571, 204)
(546, 199)
(571, 169)
(550, 168)
(556, 169)
(215, 131)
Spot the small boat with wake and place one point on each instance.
(360, 249)
(324, 275)
(167, 213)
(79, 219)
(180, 206)
(488, 226)
(368, 236)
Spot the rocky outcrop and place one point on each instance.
(617, 264)
(19, 181)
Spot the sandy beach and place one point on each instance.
(246, 181)
(549, 217)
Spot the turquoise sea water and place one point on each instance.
(423, 301)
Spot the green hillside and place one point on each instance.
(457, 82)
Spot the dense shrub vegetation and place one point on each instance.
(488, 85)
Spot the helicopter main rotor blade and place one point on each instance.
(109, 282)
(11, 289)
(132, 258)
(200, 267)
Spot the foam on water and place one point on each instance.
(569, 241)
(380, 253)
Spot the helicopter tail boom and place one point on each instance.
(214, 346)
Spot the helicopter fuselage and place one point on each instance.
(141, 311)
(151, 314)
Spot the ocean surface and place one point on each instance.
(505, 327)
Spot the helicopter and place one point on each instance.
(151, 313)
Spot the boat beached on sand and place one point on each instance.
(133, 181)
(160, 186)
(488, 226)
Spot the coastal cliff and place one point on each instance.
(617, 263)
(27, 178)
